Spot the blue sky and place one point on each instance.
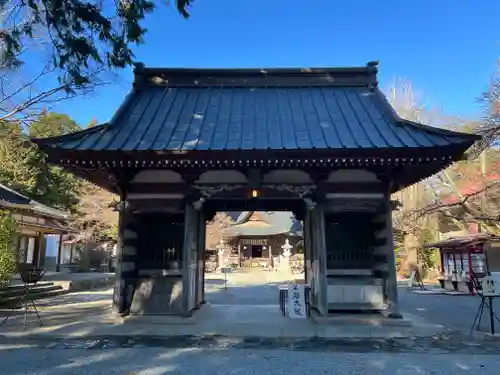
(446, 48)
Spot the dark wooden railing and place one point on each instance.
(160, 242)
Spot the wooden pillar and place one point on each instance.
(126, 259)
(71, 248)
(308, 252)
(59, 249)
(200, 291)
(315, 225)
(392, 279)
(38, 256)
(319, 243)
(239, 252)
(190, 261)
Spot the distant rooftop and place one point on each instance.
(10, 198)
(264, 223)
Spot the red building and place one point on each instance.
(464, 257)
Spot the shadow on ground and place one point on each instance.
(88, 314)
(224, 360)
(454, 312)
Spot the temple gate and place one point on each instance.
(322, 143)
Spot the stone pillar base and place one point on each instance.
(158, 296)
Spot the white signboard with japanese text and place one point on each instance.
(411, 280)
(296, 301)
(489, 287)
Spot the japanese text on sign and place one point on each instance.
(489, 287)
(296, 301)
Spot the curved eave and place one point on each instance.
(463, 137)
(242, 217)
(453, 136)
(254, 232)
(56, 153)
(51, 229)
(60, 142)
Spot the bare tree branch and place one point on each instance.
(37, 84)
(490, 126)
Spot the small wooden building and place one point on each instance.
(323, 143)
(464, 256)
(256, 238)
(40, 229)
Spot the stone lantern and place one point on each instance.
(220, 254)
(286, 254)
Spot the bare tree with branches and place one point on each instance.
(466, 193)
(216, 230)
(489, 128)
(409, 105)
(30, 80)
(96, 214)
(25, 94)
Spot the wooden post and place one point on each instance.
(392, 279)
(321, 257)
(40, 251)
(239, 252)
(189, 260)
(318, 243)
(126, 254)
(200, 292)
(59, 249)
(309, 255)
(119, 287)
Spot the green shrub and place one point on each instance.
(7, 255)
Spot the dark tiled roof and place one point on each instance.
(280, 109)
(465, 240)
(278, 222)
(12, 197)
(9, 197)
(51, 225)
(251, 230)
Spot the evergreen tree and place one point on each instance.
(23, 167)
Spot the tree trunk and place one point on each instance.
(411, 246)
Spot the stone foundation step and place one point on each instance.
(370, 319)
(11, 295)
(20, 286)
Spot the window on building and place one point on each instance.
(26, 250)
(23, 249)
(447, 263)
(478, 264)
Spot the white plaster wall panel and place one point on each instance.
(222, 177)
(355, 294)
(350, 175)
(373, 294)
(157, 176)
(285, 176)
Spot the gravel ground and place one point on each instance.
(157, 361)
(454, 312)
(453, 352)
